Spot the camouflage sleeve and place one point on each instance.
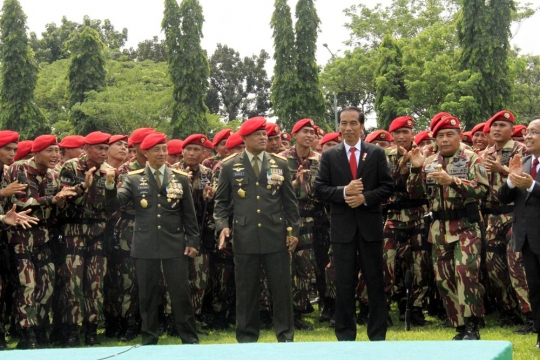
(68, 174)
(24, 201)
(477, 183)
(416, 186)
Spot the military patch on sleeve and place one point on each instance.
(179, 172)
(135, 172)
(230, 157)
(279, 156)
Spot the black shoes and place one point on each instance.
(90, 337)
(510, 318)
(28, 340)
(328, 309)
(417, 317)
(299, 324)
(469, 331)
(527, 328)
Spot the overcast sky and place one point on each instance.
(241, 24)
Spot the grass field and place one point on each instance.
(523, 348)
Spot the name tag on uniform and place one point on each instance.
(238, 174)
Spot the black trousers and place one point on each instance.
(175, 272)
(370, 256)
(247, 273)
(531, 261)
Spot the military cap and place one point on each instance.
(379, 135)
(116, 138)
(401, 122)
(72, 142)
(486, 128)
(519, 131)
(422, 136)
(503, 115)
(301, 124)
(174, 146)
(438, 117)
(197, 139)
(467, 137)
(208, 144)
(24, 148)
(272, 129)
(319, 131)
(97, 137)
(448, 122)
(478, 127)
(8, 137)
(153, 139)
(221, 135)
(138, 135)
(43, 142)
(333, 136)
(286, 136)
(233, 141)
(251, 125)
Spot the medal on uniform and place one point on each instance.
(241, 193)
(144, 203)
(269, 187)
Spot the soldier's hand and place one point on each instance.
(20, 219)
(208, 192)
(300, 175)
(355, 187)
(523, 181)
(191, 252)
(355, 201)
(428, 150)
(405, 157)
(110, 174)
(493, 166)
(515, 165)
(13, 188)
(89, 178)
(441, 177)
(62, 194)
(223, 235)
(189, 172)
(292, 242)
(416, 158)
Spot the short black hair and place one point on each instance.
(361, 116)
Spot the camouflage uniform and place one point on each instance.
(211, 163)
(4, 255)
(403, 247)
(33, 270)
(498, 219)
(455, 233)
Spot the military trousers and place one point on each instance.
(304, 266)
(199, 270)
(516, 269)
(222, 280)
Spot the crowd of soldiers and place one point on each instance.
(65, 257)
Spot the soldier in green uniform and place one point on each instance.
(165, 236)
(454, 180)
(264, 205)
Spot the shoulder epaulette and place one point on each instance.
(180, 172)
(230, 157)
(135, 172)
(279, 156)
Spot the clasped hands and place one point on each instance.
(354, 196)
(519, 178)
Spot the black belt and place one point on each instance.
(503, 209)
(449, 215)
(406, 204)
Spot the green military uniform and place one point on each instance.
(264, 206)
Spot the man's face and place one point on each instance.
(132, 152)
(73, 153)
(221, 149)
(501, 131)
(7, 153)
(256, 141)
(479, 140)
(49, 157)
(532, 138)
(329, 144)
(286, 144)
(274, 144)
(305, 137)
(425, 143)
(173, 159)
(403, 137)
(383, 144)
(350, 127)
(448, 141)
(118, 150)
(193, 154)
(156, 155)
(97, 153)
(238, 149)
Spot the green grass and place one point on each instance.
(523, 346)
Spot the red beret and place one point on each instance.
(479, 127)
(486, 128)
(251, 125)
(208, 144)
(43, 142)
(423, 135)
(437, 118)
(97, 137)
(467, 137)
(379, 135)
(519, 131)
(222, 135)
(503, 115)
(319, 131)
(24, 148)
(286, 136)
(8, 137)
(153, 139)
(72, 142)
(333, 136)
(233, 141)
(174, 147)
(116, 138)
(138, 135)
(448, 122)
(401, 122)
(272, 129)
(130, 143)
(196, 139)
(302, 123)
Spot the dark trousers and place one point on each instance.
(247, 275)
(532, 271)
(175, 272)
(370, 256)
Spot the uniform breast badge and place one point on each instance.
(241, 193)
(144, 203)
(174, 192)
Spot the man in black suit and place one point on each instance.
(523, 188)
(165, 235)
(356, 222)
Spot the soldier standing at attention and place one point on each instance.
(165, 236)
(454, 180)
(264, 204)
(83, 230)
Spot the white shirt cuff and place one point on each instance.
(532, 187)
(509, 183)
(109, 187)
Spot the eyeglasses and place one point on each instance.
(532, 132)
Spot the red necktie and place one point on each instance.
(352, 162)
(533, 169)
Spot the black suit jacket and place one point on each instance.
(334, 174)
(526, 222)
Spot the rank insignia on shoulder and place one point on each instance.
(279, 156)
(230, 157)
(180, 172)
(135, 172)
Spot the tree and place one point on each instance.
(525, 98)
(86, 73)
(285, 82)
(391, 99)
(310, 98)
(18, 110)
(257, 86)
(148, 50)
(188, 66)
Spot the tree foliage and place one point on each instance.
(18, 110)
